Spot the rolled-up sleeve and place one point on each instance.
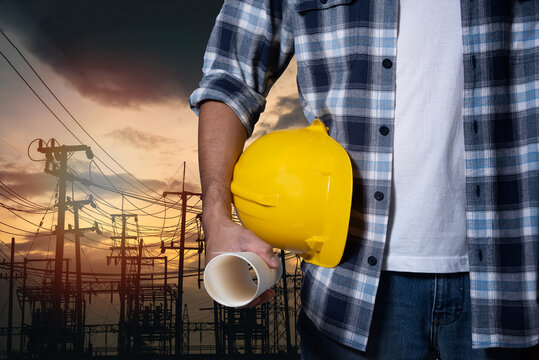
(250, 46)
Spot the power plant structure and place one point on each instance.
(151, 302)
(149, 324)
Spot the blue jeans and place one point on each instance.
(416, 317)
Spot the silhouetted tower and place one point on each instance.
(56, 164)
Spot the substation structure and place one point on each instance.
(152, 319)
(148, 326)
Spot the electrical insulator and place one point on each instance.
(97, 229)
(92, 203)
(200, 247)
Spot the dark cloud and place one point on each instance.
(28, 183)
(176, 185)
(134, 186)
(139, 139)
(158, 185)
(291, 116)
(291, 102)
(120, 53)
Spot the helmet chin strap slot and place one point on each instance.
(315, 243)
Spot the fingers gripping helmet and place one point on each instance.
(293, 189)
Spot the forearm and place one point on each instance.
(221, 137)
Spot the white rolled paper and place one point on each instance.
(235, 279)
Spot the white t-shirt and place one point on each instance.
(427, 223)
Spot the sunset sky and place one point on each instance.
(124, 70)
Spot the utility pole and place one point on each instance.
(25, 296)
(76, 206)
(79, 342)
(10, 315)
(137, 298)
(135, 325)
(23, 305)
(66, 302)
(60, 154)
(179, 301)
(122, 330)
(59, 257)
(285, 300)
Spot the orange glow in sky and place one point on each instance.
(150, 139)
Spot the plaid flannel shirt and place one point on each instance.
(346, 54)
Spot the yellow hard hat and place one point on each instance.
(293, 189)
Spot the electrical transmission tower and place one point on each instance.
(185, 195)
(56, 164)
(122, 337)
(153, 318)
(267, 330)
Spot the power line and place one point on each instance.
(37, 95)
(54, 195)
(71, 115)
(15, 194)
(11, 146)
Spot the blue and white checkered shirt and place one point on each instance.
(346, 53)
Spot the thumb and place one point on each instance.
(263, 249)
(270, 259)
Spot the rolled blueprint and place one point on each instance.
(235, 279)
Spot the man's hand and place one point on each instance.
(231, 237)
(227, 236)
(221, 137)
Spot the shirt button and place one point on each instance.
(384, 130)
(387, 63)
(379, 196)
(372, 260)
